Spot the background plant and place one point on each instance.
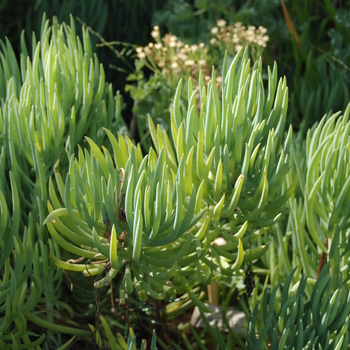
(233, 38)
(295, 30)
(170, 59)
(322, 90)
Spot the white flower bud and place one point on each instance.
(221, 23)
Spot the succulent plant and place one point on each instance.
(50, 101)
(55, 96)
(148, 225)
(319, 213)
(318, 322)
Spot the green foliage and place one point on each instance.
(322, 89)
(125, 241)
(320, 214)
(94, 12)
(13, 19)
(148, 225)
(182, 19)
(48, 102)
(56, 98)
(151, 97)
(318, 322)
(118, 342)
(20, 289)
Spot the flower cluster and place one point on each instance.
(232, 38)
(175, 59)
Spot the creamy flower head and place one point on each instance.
(221, 23)
(189, 63)
(250, 38)
(155, 34)
(262, 30)
(182, 56)
(214, 30)
(235, 39)
(148, 51)
(179, 44)
(249, 32)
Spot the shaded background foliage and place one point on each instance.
(307, 39)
